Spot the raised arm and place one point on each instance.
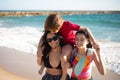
(99, 62)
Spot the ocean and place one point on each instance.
(23, 33)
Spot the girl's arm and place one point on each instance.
(41, 69)
(39, 52)
(98, 61)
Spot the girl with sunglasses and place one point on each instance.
(56, 24)
(51, 59)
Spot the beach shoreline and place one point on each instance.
(37, 13)
(24, 66)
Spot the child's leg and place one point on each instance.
(65, 60)
(66, 52)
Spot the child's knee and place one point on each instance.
(63, 58)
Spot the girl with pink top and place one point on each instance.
(82, 57)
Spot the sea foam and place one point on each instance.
(24, 39)
(27, 38)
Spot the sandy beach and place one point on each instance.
(17, 65)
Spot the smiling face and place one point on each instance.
(80, 40)
(53, 40)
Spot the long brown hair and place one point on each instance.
(46, 47)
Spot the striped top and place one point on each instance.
(82, 66)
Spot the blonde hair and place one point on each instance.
(53, 22)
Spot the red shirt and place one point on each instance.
(67, 32)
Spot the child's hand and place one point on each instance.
(96, 46)
(41, 70)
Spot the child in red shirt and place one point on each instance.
(56, 24)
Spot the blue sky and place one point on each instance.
(60, 5)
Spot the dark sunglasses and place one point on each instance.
(50, 39)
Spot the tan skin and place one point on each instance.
(55, 58)
(67, 49)
(81, 42)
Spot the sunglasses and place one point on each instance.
(50, 39)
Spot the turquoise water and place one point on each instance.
(103, 26)
(15, 21)
(107, 26)
(23, 33)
